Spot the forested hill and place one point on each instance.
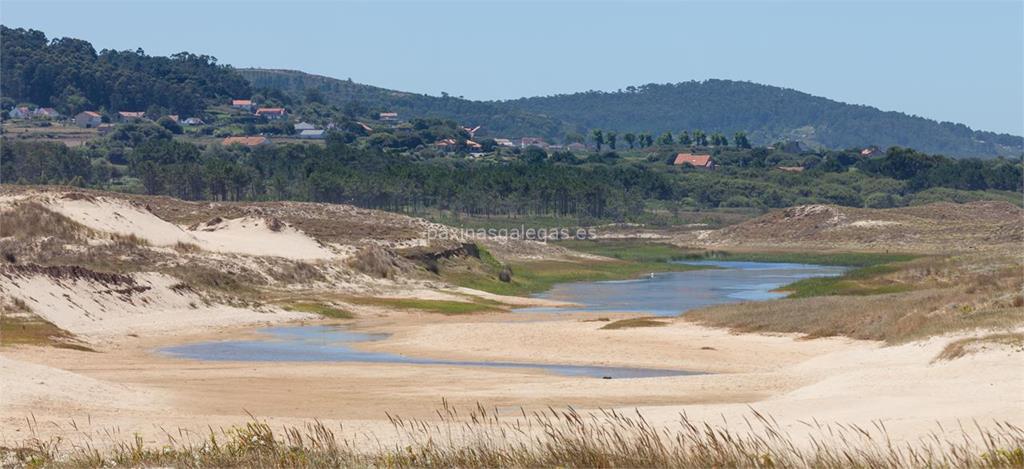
(68, 74)
(767, 114)
(498, 119)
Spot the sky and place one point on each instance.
(959, 61)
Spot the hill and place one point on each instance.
(768, 114)
(68, 74)
(498, 119)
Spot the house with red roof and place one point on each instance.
(272, 113)
(245, 104)
(697, 161)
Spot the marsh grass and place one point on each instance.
(633, 323)
(481, 438)
(445, 307)
(322, 309)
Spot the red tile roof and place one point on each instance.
(241, 102)
(701, 161)
(91, 114)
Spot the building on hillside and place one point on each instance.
(365, 127)
(790, 169)
(105, 128)
(313, 134)
(504, 142)
(471, 131)
(130, 116)
(474, 146)
(251, 142)
(46, 113)
(304, 126)
(388, 116)
(194, 121)
(174, 117)
(576, 146)
(245, 104)
(22, 112)
(697, 161)
(869, 152)
(88, 119)
(532, 142)
(272, 113)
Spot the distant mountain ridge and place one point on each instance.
(766, 113)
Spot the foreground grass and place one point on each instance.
(481, 439)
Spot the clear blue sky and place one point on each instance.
(957, 61)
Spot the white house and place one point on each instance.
(22, 112)
(313, 134)
(88, 119)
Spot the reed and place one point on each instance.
(480, 438)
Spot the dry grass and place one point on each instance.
(945, 295)
(20, 326)
(633, 323)
(553, 438)
(964, 347)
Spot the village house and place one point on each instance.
(313, 134)
(869, 152)
(504, 142)
(130, 116)
(304, 126)
(173, 117)
(365, 127)
(88, 119)
(272, 113)
(46, 113)
(245, 104)
(473, 146)
(697, 161)
(576, 146)
(388, 116)
(22, 112)
(471, 131)
(194, 121)
(251, 142)
(532, 142)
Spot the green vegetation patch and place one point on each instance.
(322, 309)
(445, 307)
(846, 259)
(633, 323)
(631, 250)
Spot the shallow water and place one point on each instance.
(332, 344)
(664, 294)
(672, 293)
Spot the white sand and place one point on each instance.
(101, 312)
(246, 235)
